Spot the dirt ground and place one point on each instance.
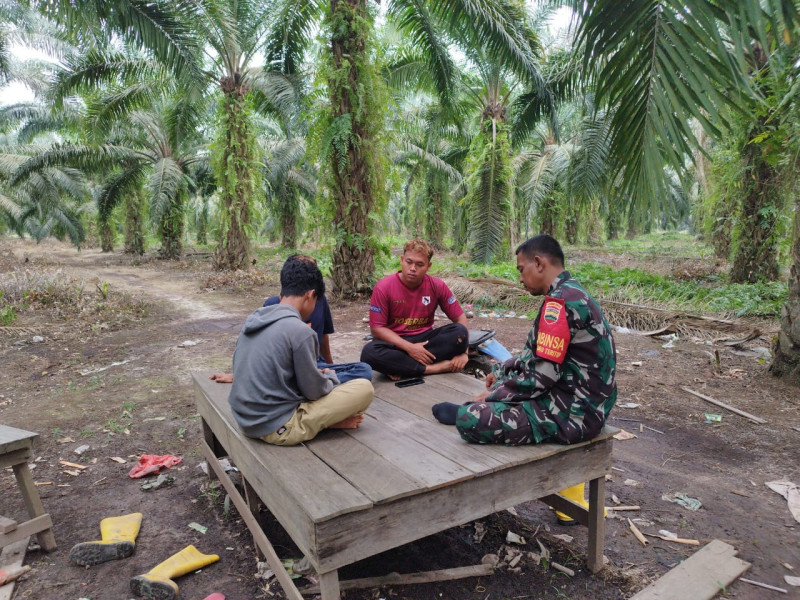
(119, 382)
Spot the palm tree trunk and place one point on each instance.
(354, 157)
(134, 222)
(571, 222)
(547, 212)
(288, 207)
(787, 351)
(490, 157)
(106, 234)
(434, 221)
(593, 229)
(756, 256)
(171, 229)
(202, 222)
(235, 166)
(633, 225)
(722, 221)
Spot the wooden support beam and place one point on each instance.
(408, 578)
(7, 525)
(258, 534)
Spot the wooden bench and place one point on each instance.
(15, 451)
(348, 495)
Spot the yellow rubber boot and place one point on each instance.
(574, 493)
(157, 583)
(118, 540)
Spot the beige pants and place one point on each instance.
(345, 400)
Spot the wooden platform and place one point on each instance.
(348, 495)
(15, 451)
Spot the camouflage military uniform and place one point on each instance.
(536, 400)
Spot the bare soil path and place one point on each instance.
(69, 390)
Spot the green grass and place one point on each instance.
(712, 295)
(639, 286)
(677, 244)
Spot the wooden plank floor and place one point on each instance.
(349, 494)
(400, 450)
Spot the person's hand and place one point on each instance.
(490, 380)
(325, 370)
(420, 354)
(222, 377)
(458, 363)
(482, 397)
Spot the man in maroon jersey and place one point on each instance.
(401, 320)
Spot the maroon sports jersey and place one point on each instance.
(409, 312)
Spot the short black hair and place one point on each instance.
(542, 244)
(299, 274)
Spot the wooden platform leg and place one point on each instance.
(597, 524)
(34, 504)
(212, 441)
(329, 585)
(251, 498)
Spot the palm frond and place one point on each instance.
(96, 68)
(9, 206)
(90, 158)
(291, 31)
(657, 65)
(305, 181)
(589, 168)
(112, 106)
(164, 184)
(431, 161)
(498, 28)
(414, 19)
(488, 197)
(164, 28)
(277, 94)
(282, 157)
(12, 115)
(115, 188)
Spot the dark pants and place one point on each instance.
(444, 343)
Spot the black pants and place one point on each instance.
(444, 343)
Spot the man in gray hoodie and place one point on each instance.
(278, 394)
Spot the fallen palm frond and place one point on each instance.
(495, 291)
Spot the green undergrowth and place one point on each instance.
(638, 286)
(675, 244)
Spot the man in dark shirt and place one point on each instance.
(321, 321)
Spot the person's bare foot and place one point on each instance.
(394, 377)
(444, 366)
(353, 422)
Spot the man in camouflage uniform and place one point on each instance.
(561, 387)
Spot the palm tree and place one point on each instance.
(42, 203)
(660, 64)
(290, 177)
(430, 147)
(350, 137)
(213, 43)
(156, 147)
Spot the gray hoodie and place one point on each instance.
(274, 370)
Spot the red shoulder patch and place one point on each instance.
(553, 335)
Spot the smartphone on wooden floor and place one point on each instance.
(409, 382)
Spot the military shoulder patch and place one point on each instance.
(553, 337)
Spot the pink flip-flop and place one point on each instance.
(215, 596)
